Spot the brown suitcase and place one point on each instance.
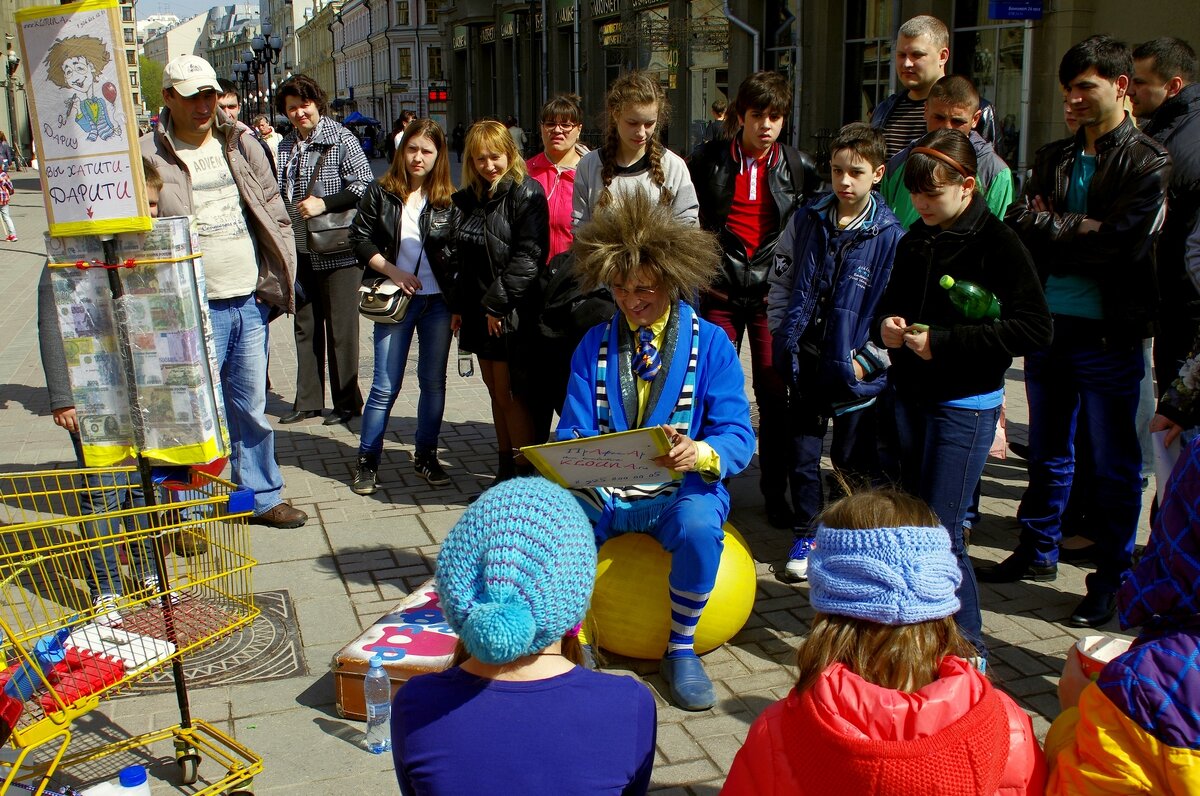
(413, 638)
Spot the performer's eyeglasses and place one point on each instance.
(566, 127)
(640, 292)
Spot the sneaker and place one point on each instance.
(431, 470)
(12, 238)
(106, 612)
(796, 569)
(150, 584)
(366, 476)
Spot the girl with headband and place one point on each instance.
(887, 700)
(948, 369)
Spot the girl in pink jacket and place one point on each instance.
(887, 702)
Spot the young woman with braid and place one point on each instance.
(632, 156)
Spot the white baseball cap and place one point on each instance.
(189, 75)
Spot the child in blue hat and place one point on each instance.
(518, 713)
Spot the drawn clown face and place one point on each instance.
(80, 74)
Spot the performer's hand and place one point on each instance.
(455, 323)
(66, 418)
(495, 326)
(858, 370)
(683, 454)
(892, 331)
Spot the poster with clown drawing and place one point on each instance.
(83, 118)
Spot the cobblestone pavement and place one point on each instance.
(358, 555)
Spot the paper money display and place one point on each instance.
(143, 368)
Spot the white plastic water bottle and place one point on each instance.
(466, 363)
(132, 781)
(377, 691)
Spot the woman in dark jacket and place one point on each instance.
(501, 239)
(326, 314)
(401, 236)
(947, 368)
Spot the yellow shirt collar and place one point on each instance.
(656, 328)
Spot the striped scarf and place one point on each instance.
(637, 507)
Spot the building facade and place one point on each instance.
(506, 58)
(314, 45)
(186, 37)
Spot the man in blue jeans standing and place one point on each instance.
(216, 170)
(1090, 213)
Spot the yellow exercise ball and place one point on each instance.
(631, 604)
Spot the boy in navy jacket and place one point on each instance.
(832, 264)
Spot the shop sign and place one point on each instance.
(564, 14)
(605, 8)
(460, 37)
(1014, 9)
(487, 34)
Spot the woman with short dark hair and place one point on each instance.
(322, 169)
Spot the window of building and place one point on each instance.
(430, 12)
(991, 53)
(127, 13)
(435, 63)
(868, 64)
(129, 37)
(401, 12)
(131, 57)
(404, 62)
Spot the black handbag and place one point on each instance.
(328, 233)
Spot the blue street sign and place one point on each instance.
(1014, 9)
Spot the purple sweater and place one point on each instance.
(582, 732)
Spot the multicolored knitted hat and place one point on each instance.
(516, 571)
(893, 576)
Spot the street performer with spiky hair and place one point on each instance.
(657, 363)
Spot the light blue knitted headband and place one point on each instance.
(893, 576)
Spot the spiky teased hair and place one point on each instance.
(639, 234)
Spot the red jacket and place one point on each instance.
(957, 735)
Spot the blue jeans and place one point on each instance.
(108, 492)
(942, 454)
(430, 317)
(1104, 382)
(240, 333)
(853, 453)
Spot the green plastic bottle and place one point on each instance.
(974, 302)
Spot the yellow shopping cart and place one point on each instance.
(102, 584)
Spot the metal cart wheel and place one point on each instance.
(189, 768)
(240, 793)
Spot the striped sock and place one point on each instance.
(686, 607)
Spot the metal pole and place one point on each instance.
(1026, 101)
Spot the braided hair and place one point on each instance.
(633, 88)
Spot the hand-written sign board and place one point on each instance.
(625, 458)
(83, 118)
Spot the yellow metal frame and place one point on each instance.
(49, 543)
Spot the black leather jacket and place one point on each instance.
(714, 171)
(374, 232)
(518, 238)
(1176, 125)
(1127, 195)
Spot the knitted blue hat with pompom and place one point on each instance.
(516, 571)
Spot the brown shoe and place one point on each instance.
(281, 516)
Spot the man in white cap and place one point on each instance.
(216, 170)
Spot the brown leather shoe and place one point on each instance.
(281, 516)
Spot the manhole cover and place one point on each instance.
(266, 649)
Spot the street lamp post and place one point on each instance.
(241, 75)
(267, 47)
(253, 67)
(12, 61)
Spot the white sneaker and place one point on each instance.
(106, 612)
(797, 565)
(151, 585)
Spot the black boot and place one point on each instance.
(366, 474)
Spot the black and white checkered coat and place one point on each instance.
(344, 171)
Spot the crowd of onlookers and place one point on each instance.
(612, 288)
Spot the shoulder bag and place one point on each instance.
(382, 300)
(328, 233)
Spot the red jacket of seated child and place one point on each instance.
(957, 735)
